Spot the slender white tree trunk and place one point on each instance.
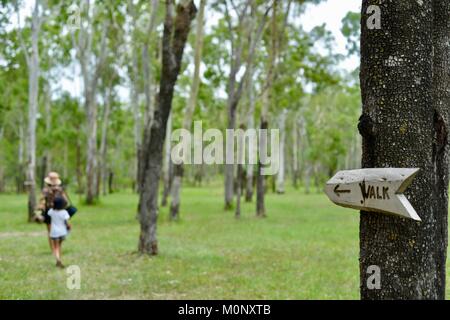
(33, 88)
(281, 171)
(295, 151)
(48, 130)
(250, 125)
(104, 143)
(91, 157)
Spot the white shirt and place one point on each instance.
(58, 227)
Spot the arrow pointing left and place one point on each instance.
(375, 190)
(337, 191)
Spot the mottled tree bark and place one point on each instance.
(404, 83)
(174, 40)
(149, 87)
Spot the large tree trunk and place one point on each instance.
(187, 121)
(404, 82)
(174, 40)
(148, 90)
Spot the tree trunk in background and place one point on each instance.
(91, 152)
(104, 142)
(189, 112)
(110, 182)
(260, 179)
(295, 145)
(33, 92)
(229, 167)
(66, 158)
(352, 160)
(235, 87)
(78, 164)
(308, 170)
(238, 191)
(167, 163)
(47, 165)
(317, 169)
(2, 179)
(304, 161)
(178, 172)
(19, 175)
(250, 125)
(404, 83)
(137, 130)
(46, 159)
(264, 124)
(281, 171)
(91, 72)
(239, 176)
(174, 40)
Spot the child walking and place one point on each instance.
(59, 228)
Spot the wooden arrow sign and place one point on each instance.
(376, 190)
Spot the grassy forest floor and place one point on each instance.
(307, 248)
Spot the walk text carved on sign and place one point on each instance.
(375, 190)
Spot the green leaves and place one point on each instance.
(351, 29)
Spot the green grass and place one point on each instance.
(307, 248)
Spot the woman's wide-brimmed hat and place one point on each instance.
(53, 179)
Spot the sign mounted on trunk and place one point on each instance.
(375, 190)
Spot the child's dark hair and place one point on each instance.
(59, 203)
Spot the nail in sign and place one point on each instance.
(375, 190)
